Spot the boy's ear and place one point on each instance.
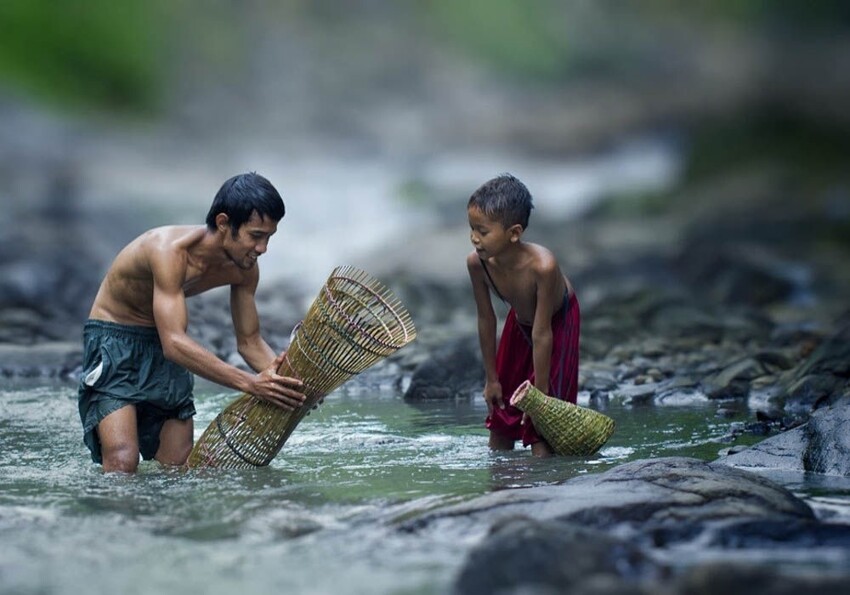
(515, 231)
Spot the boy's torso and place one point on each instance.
(518, 287)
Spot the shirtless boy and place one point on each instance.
(540, 339)
(135, 394)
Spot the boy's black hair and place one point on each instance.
(504, 199)
(243, 194)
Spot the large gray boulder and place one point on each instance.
(821, 445)
(658, 501)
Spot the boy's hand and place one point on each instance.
(493, 396)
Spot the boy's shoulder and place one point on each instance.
(473, 261)
(542, 258)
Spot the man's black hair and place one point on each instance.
(240, 196)
(504, 199)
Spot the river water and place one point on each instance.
(320, 519)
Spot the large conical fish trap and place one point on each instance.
(352, 324)
(569, 429)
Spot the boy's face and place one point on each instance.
(490, 237)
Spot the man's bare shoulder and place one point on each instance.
(173, 238)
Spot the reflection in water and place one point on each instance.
(320, 518)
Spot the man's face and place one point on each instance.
(252, 240)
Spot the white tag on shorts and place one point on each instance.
(93, 376)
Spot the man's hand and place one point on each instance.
(282, 391)
(493, 396)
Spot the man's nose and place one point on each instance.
(261, 247)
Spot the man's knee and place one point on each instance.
(175, 455)
(122, 458)
(176, 441)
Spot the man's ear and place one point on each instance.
(515, 231)
(222, 222)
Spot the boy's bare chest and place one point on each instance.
(518, 289)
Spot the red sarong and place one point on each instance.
(515, 365)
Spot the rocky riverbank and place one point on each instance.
(727, 290)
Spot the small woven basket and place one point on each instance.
(352, 324)
(569, 429)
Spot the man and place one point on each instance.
(135, 393)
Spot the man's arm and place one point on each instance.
(171, 318)
(246, 324)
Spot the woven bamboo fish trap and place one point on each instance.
(569, 429)
(352, 324)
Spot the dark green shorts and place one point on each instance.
(124, 365)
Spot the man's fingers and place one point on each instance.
(285, 402)
(291, 381)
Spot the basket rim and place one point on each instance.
(407, 334)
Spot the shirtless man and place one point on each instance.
(135, 394)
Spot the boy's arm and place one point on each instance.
(171, 318)
(486, 332)
(549, 282)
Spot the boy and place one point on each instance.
(540, 338)
(135, 393)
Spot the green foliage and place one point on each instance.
(808, 149)
(515, 36)
(83, 53)
(632, 205)
(779, 15)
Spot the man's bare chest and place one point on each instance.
(199, 282)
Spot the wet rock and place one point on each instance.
(779, 533)
(822, 445)
(783, 451)
(658, 502)
(805, 394)
(828, 448)
(735, 578)
(56, 359)
(739, 273)
(821, 377)
(561, 556)
(735, 378)
(643, 394)
(454, 369)
(602, 533)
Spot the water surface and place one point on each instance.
(319, 519)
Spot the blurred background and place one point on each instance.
(376, 119)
